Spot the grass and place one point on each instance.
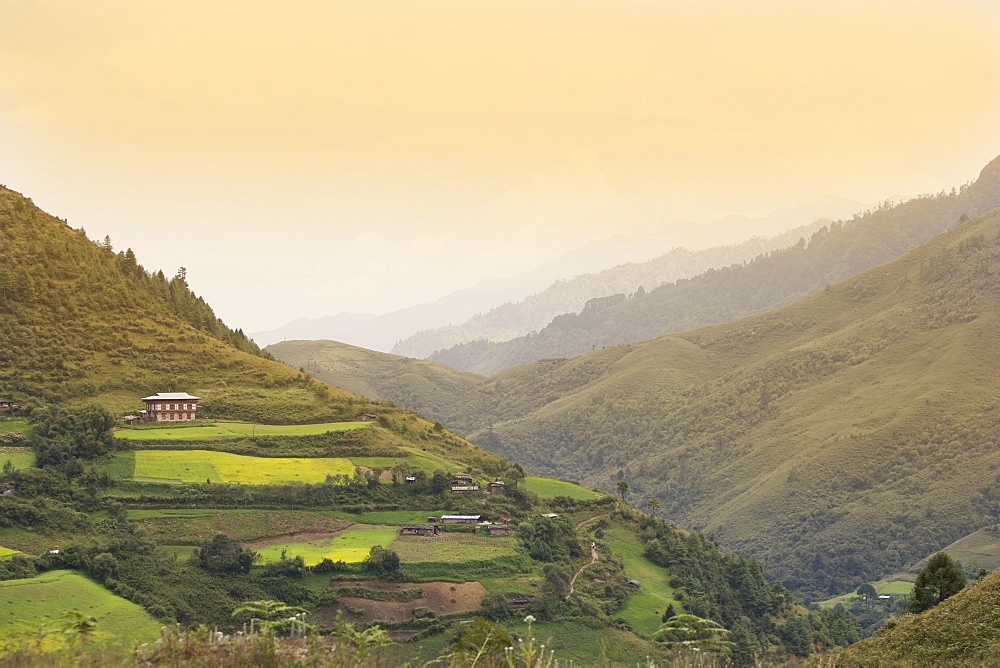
(7, 552)
(21, 458)
(180, 551)
(416, 462)
(221, 431)
(25, 603)
(16, 424)
(979, 549)
(223, 467)
(453, 547)
(549, 487)
(392, 517)
(30, 542)
(645, 607)
(177, 526)
(350, 546)
(576, 642)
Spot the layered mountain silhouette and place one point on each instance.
(779, 277)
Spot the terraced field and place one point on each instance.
(20, 458)
(351, 546)
(7, 552)
(221, 431)
(548, 488)
(223, 467)
(453, 547)
(25, 603)
(191, 525)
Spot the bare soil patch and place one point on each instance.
(443, 598)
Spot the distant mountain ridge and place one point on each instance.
(831, 254)
(382, 332)
(534, 312)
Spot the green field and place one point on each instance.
(14, 425)
(221, 431)
(223, 467)
(421, 462)
(21, 458)
(350, 546)
(25, 603)
(7, 552)
(453, 547)
(548, 488)
(645, 607)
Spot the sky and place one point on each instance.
(308, 158)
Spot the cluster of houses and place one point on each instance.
(434, 530)
(462, 483)
(8, 406)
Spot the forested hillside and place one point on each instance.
(830, 254)
(80, 322)
(516, 319)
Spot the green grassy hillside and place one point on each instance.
(82, 323)
(426, 387)
(768, 281)
(26, 603)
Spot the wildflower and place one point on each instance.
(529, 619)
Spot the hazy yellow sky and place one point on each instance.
(330, 156)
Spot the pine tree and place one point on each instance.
(940, 579)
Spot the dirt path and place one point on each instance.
(589, 519)
(593, 559)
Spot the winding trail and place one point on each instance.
(593, 559)
(593, 554)
(589, 519)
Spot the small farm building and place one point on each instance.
(465, 489)
(498, 530)
(461, 479)
(411, 478)
(550, 516)
(6, 405)
(171, 407)
(418, 530)
(497, 486)
(632, 583)
(365, 417)
(520, 601)
(460, 519)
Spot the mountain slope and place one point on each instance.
(426, 387)
(570, 295)
(836, 438)
(769, 281)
